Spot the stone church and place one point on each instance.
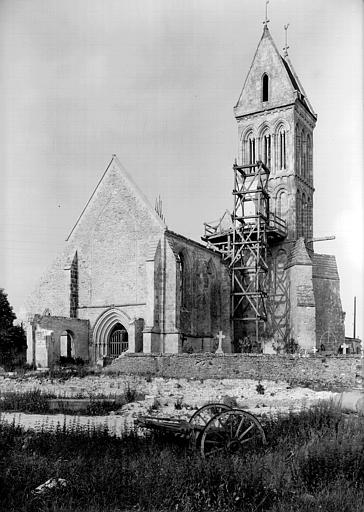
(126, 283)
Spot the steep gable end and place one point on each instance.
(114, 180)
(280, 89)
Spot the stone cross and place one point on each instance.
(344, 346)
(314, 349)
(220, 337)
(266, 21)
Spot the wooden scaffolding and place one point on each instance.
(242, 238)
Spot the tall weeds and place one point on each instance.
(314, 461)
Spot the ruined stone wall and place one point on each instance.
(334, 371)
(202, 294)
(79, 330)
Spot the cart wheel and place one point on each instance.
(200, 419)
(231, 431)
(203, 415)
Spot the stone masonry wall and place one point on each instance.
(333, 371)
(112, 239)
(203, 307)
(79, 330)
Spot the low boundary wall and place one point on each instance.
(314, 371)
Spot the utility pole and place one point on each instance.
(354, 326)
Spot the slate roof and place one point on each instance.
(297, 84)
(288, 76)
(325, 267)
(172, 236)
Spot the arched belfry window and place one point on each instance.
(282, 154)
(267, 149)
(281, 204)
(251, 150)
(265, 87)
(298, 150)
(303, 155)
(309, 157)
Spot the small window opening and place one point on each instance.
(265, 87)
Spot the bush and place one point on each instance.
(260, 388)
(291, 346)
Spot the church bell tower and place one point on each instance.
(275, 125)
(269, 241)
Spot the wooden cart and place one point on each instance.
(212, 429)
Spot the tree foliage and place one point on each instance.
(12, 337)
(7, 315)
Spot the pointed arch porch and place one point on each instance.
(104, 327)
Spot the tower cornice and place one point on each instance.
(305, 182)
(301, 112)
(260, 112)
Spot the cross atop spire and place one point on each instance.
(285, 49)
(266, 21)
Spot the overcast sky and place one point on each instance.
(155, 82)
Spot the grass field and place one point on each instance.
(314, 461)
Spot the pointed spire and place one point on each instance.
(285, 49)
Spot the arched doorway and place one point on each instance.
(67, 344)
(118, 341)
(106, 325)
